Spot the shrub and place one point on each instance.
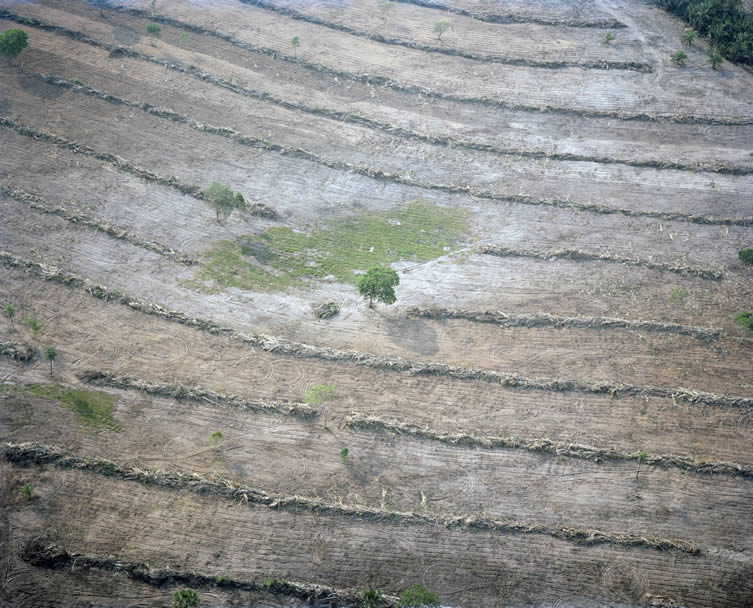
(715, 59)
(370, 598)
(153, 30)
(344, 455)
(608, 38)
(745, 320)
(377, 284)
(10, 310)
(417, 596)
(12, 42)
(440, 27)
(689, 35)
(28, 491)
(326, 309)
(677, 295)
(185, 598)
(746, 256)
(215, 438)
(295, 43)
(34, 326)
(679, 57)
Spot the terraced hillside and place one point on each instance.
(558, 410)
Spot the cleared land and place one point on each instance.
(558, 411)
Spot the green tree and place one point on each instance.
(679, 57)
(319, 395)
(185, 598)
(641, 457)
(215, 438)
(50, 354)
(153, 30)
(295, 43)
(715, 59)
(745, 255)
(440, 27)
(223, 201)
(417, 597)
(745, 320)
(384, 7)
(608, 38)
(689, 35)
(370, 598)
(35, 327)
(378, 284)
(12, 42)
(10, 310)
(28, 491)
(344, 455)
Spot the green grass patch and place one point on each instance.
(335, 250)
(93, 407)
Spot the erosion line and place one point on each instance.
(39, 204)
(280, 346)
(584, 256)
(543, 319)
(26, 454)
(181, 392)
(453, 52)
(545, 446)
(42, 553)
(509, 18)
(377, 174)
(369, 79)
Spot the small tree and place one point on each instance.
(384, 7)
(28, 491)
(215, 438)
(440, 27)
(377, 284)
(153, 31)
(35, 327)
(319, 395)
(185, 598)
(746, 256)
(679, 57)
(295, 43)
(223, 201)
(50, 354)
(12, 42)
(641, 458)
(689, 35)
(745, 320)
(715, 59)
(608, 38)
(10, 312)
(370, 597)
(344, 455)
(416, 597)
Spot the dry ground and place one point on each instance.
(522, 116)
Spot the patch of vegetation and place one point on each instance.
(370, 598)
(641, 457)
(679, 57)
(93, 407)
(416, 597)
(27, 491)
(384, 6)
(715, 58)
(272, 582)
(185, 598)
(153, 30)
(608, 38)
(326, 310)
(220, 579)
(745, 255)
(223, 201)
(295, 42)
(344, 455)
(689, 35)
(745, 320)
(336, 250)
(726, 22)
(77, 81)
(215, 438)
(35, 327)
(10, 310)
(12, 42)
(378, 284)
(320, 393)
(677, 296)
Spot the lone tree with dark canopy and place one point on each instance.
(223, 201)
(50, 354)
(377, 284)
(12, 42)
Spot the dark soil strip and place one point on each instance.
(39, 204)
(584, 256)
(43, 553)
(119, 51)
(546, 446)
(196, 393)
(542, 319)
(453, 52)
(26, 454)
(377, 174)
(280, 346)
(17, 351)
(121, 163)
(508, 18)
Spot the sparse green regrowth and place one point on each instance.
(746, 256)
(319, 393)
(295, 42)
(271, 582)
(384, 6)
(677, 296)
(215, 438)
(608, 38)
(50, 354)
(223, 201)
(715, 58)
(35, 327)
(344, 455)
(679, 57)
(185, 598)
(745, 320)
(378, 284)
(153, 30)
(184, 38)
(440, 27)
(641, 457)
(28, 491)
(77, 81)
(417, 597)
(370, 598)
(282, 257)
(689, 35)
(93, 407)
(10, 312)
(12, 42)
(220, 579)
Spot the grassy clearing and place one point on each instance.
(93, 407)
(337, 250)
